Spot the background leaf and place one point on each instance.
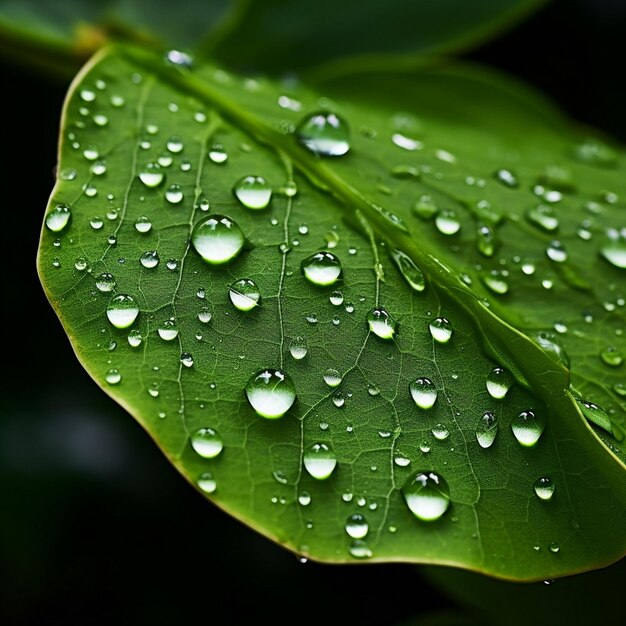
(376, 431)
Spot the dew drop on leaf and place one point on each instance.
(528, 427)
(486, 429)
(360, 550)
(325, 134)
(207, 443)
(298, 348)
(447, 222)
(143, 224)
(423, 392)
(322, 268)
(58, 218)
(556, 252)
(357, 526)
(168, 330)
(427, 495)
(217, 239)
(499, 381)
(381, 323)
(409, 271)
(544, 217)
(507, 178)
(113, 376)
(244, 294)
(122, 310)
(206, 482)
(612, 356)
(149, 259)
(105, 282)
(134, 338)
(614, 251)
(217, 154)
(151, 175)
(332, 377)
(319, 460)
(544, 488)
(174, 194)
(253, 192)
(440, 432)
(271, 393)
(440, 329)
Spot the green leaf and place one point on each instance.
(425, 138)
(279, 35)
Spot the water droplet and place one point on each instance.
(253, 192)
(186, 359)
(556, 252)
(440, 432)
(440, 329)
(81, 264)
(336, 298)
(544, 488)
(143, 224)
(427, 496)
(134, 338)
(322, 268)
(324, 134)
(360, 550)
(544, 217)
(507, 178)
(174, 145)
(486, 241)
(486, 429)
(357, 526)
(304, 498)
(174, 194)
(319, 460)
(113, 377)
(96, 223)
(217, 154)
(151, 175)
(271, 393)
(551, 344)
(406, 143)
(150, 259)
(620, 389)
(206, 482)
(205, 314)
(298, 348)
(425, 208)
(207, 443)
(401, 461)
(58, 218)
(423, 392)
(244, 294)
(595, 152)
(381, 323)
(614, 251)
(122, 310)
(447, 222)
(495, 281)
(332, 377)
(499, 381)
(168, 330)
(612, 356)
(179, 58)
(91, 153)
(410, 272)
(217, 239)
(105, 282)
(554, 547)
(527, 427)
(595, 414)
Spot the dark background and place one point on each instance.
(95, 526)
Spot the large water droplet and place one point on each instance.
(381, 323)
(143, 224)
(527, 427)
(168, 330)
(113, 376)
(206, 482)
(244, 294)
(440, 329)
(410, 272)
(486, 429)
(427, 496)
(324, 134)
(423, 392)
(174, 194)
(447, 222)
(544, 488)
(151, 175)
(298, 348)
(122, 310)
(207, 443)
(271, 393)
(58, 218)
(614, 251)
(357, 526)
(322, 268)
(217, 239)
(253, 192)
(332, 377)
(612, 356)
(556, 252)
(499, 381)
(149, 259)
(217, 154)
(319, 460)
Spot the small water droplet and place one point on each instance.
(244, 294)
(325, 134)
(113, 377)
(122, 310)
(595, 152)
(360, 550)
(554, 547)
(499, 381)
(207, 443)
(544, 488)
(440, 329)
(271, 393)
(179, 58)
(332, 377)
(507, 178)
(425, 208)
(217, 154)
(134, 338)
(186, 359)
(381, 323)
(174, 194)
(440, 432)
(427, 495)
(253, 192)
(174, 145)
(322, 268)
(406, 143)
(556, 252)
(319, 460)
(96, 222)
(150, 259)
(423, 392)
(357, 526)
(336, 298)
(217, 239)
(612, 356)
(58, 218)
(595, 414)
(206, 482)
(410, 272)
(495, 281)
(298, 348)
(205, 315)
(544, 217)
(143, 224)
(486, 429)
(447, 222)
(151, 175)
(527, 428)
